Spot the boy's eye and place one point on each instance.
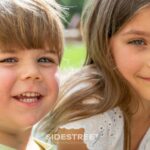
(137, 42)
(46, 60)
(9, 60)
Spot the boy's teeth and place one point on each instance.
(30, 94)
(28, 100)
(28, 97)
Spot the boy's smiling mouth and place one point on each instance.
(28, 97)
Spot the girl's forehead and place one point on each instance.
(139, 23)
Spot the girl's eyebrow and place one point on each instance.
(136, 32)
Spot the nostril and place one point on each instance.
(30, 72)
(32, 77)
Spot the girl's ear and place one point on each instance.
(110, 57)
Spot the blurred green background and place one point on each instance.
(73, 7)
(74, 53)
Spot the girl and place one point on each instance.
(31, 47)
(110, 97)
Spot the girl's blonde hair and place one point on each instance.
(99, 80)
(31, 24)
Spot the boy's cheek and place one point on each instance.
(7, 77)
(53, 76)
(57, 76)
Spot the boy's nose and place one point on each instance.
(31, 72)
(33, 76)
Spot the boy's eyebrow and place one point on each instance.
(14, 51)
(50, 51)
(7, 51)
(136, 32)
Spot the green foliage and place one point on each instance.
(75, 7)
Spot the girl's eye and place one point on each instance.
(9, 60)
(46, 60)
(137, 42)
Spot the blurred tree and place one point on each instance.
(75, 7)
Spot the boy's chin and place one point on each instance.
(27, 123)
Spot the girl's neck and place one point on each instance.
(143, 110)
(16, 141)
(140, 123)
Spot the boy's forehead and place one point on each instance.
(14, 50)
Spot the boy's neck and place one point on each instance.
(16, 141)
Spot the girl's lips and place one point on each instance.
(145, 78)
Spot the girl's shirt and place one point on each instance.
(105, 131)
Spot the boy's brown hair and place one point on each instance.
(31, 24)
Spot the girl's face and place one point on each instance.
(131, 51)
(28, 87)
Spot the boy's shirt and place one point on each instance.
(39, 145)
(4, 147)
(35, 144)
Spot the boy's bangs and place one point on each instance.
(31, 30)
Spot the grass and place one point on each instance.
(74, 56)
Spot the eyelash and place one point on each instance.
(48, 60)
(138, 42)
(14, 60)
(9, 60)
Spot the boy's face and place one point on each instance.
(28, 87)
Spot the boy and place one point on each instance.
(31, 47)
